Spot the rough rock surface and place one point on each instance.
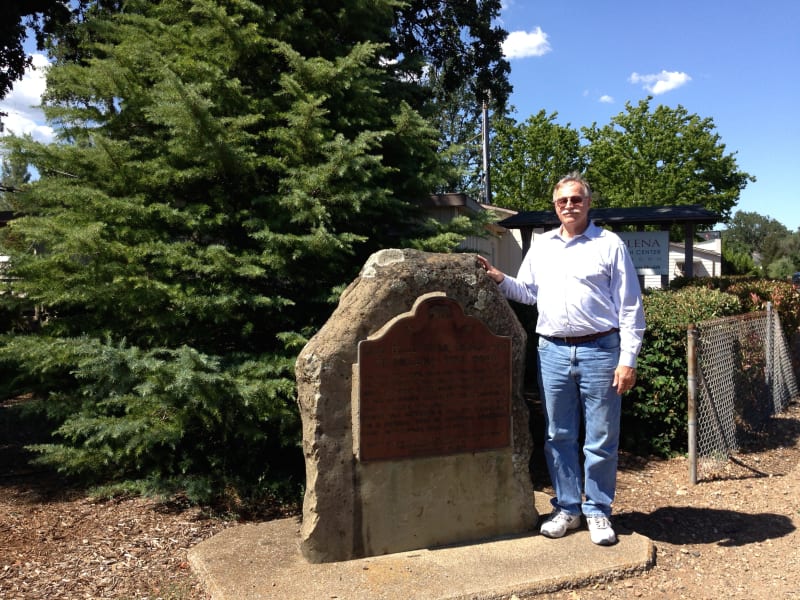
(389, 284)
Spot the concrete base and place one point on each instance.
(264, 561)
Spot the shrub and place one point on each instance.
(754, 293)
(654, 413)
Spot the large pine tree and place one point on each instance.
(223, 169)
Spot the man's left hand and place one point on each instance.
(624, 379)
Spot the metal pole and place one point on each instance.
(691, 360)
(688, 249)
(769, 356)
(487, 183)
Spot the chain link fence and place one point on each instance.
(740, 375)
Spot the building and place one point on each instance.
(510, 237)
(681, 256)
(502, 246)
(706, 262)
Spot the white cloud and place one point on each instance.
(521, 44)
(21, 124)
(606, 99)
(22, 104)
(661, 83)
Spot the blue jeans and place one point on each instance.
(575, 382)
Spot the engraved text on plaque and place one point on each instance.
(435, 382)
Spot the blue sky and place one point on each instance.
(734, 61)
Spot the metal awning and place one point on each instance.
(665, 216)
(688, 215)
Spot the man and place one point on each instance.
(590, 329)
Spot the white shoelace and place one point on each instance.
(598, 522)
(561, 517)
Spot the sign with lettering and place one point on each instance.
(433, 382)
(649, 251)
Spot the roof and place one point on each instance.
(698, 249)
(636, 215)
(450, 200)
(463, 201)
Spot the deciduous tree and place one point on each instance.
(529, 158)
(662, 157)
(756, 236)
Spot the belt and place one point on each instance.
(581, 339)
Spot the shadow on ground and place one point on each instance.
(780, 431)
(681, 525)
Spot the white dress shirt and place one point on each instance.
(583, 285)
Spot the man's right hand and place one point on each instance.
(494, 274)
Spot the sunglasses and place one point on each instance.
(562, 202)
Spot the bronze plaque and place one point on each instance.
(436, 382)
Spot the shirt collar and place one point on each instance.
(591, 231)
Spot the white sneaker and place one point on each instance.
(558, 523)
(600, 530)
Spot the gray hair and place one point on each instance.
(573, 177)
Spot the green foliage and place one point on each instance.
(753, 235)
(784, 298)
(223, 169)
(754, 293)
(454, 48)
(790, 248)
(643, 157)
(41, 16)
(531, 158)
(457, 45)
(177, 419)
(781, 268)
(662, 157)
(749, 231)
(460, 125)
(654, 413)
(654, 421)
(13, 177)
(737, 263)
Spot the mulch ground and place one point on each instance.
(733, 535)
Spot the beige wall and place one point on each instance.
(503, 248)
(707, 262)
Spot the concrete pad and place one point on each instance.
(255, 561)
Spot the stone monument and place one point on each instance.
(415, 431)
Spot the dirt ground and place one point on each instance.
(736, 534)
(731, 536)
